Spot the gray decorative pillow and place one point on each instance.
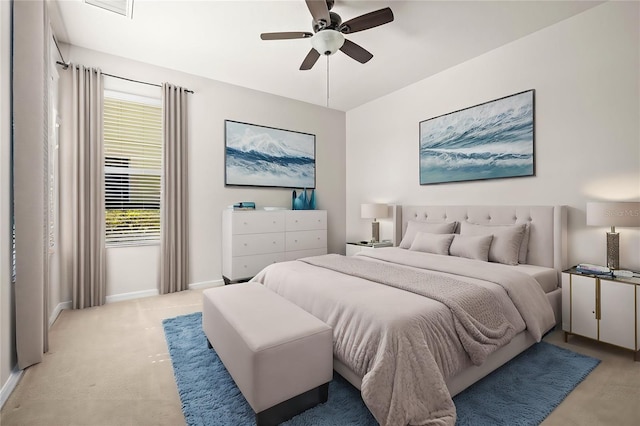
(505, 246)
(471, 247)
(415, 226)
(524, 246)
(432, 243)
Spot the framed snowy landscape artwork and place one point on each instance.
(265, 156)
(487, 141)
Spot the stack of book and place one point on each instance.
(587, 268)
(244, 205)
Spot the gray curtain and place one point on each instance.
(89, 256)
(174, 201)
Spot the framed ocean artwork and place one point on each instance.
(265, 156)
(488, 141)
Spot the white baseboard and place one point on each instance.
(10, 385)
(206, 284)
(133, 295)
(54, 315)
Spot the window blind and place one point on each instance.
(132, 170)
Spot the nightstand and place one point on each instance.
(353, 248)
(602, 308)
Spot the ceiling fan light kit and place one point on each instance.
(327, 42)
(328, 32)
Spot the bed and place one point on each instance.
(409, 354)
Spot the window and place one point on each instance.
(132, 168)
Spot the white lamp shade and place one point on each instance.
(327, 42)
(625, 214)
(374, 211)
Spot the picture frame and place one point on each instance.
(262, 156)
(492, 140)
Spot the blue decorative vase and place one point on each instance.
(312, 200)
(302, 201)
(299, 201)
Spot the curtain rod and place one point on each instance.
(58, 47)
(65, 66)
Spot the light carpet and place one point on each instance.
(522, 392)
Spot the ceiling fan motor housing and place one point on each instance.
(327, 42)
(334, 24)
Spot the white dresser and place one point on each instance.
(253, 239)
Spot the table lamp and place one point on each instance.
(625, 214)
(374, 211)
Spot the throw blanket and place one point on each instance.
(524, 290)
(479, 321)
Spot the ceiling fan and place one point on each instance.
(329, 30)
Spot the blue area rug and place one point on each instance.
(522, 392)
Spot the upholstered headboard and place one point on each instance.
(547, 230)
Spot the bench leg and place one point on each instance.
(292, 407)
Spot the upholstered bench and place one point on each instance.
(279, 355)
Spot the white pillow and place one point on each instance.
(471, 247)
(432, 243)
(505, 246)
(415, 226)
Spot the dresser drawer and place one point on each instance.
(249, 266)
(250, 244)
(257, 222)
(305, 240)
(298, 254)
(304, 220)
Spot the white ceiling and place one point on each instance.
(221, 40)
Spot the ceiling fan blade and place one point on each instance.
(358, 53)
(366, 21)
(285, 36)
(310, 60)
(319, 10)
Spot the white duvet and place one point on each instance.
(401, 343)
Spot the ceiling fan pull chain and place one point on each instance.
(327, 81)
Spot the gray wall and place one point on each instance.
(587, 143)
(134, 270)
